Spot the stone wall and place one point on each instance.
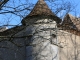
(35, 42)
(71, 46)
(41, 45)
(13, 48)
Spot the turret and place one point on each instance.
(40, 29)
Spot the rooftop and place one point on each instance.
(71, 21)
(41, 10)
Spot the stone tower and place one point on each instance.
(40, 29)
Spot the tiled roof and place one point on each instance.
(12, 31)
(41, 10)
(70, 24)
(71, 21)
(76, 21)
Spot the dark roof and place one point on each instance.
(76, 21)
(41, 10)
(71, 22)
(69, 29)
(12, 31)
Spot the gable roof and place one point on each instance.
(71, 22)
(76, 21)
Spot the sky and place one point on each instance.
(77, 7)
(13, 20)
(74, 2)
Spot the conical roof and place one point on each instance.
(41, 10)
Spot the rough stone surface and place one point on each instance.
(13, 49)
(41, 47)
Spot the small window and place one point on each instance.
(53, 35)
(29, 40)
(53, 39)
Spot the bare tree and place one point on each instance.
(2, 3)
(20, 9)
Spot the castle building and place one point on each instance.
(41, 37)
(69, 38)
